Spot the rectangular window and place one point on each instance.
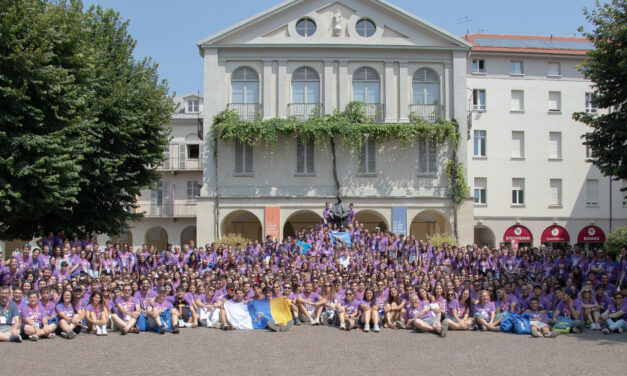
(555, 193)
(516, 67)
(555, 101)
(192, 105)
(518, 100)
(555, 145)
(243, 158)
(518, 191)
(193, 151)
(478, 66)
(480, 143)
(305, 157)
(588, 151)
(193, 190)
(480, 191)
(554, 70)
(518, 144)
(479, 99)
(367, 160)
(592, 191)
(427, 157)
(591, 106)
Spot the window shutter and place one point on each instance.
(372, 155)
(248, 168)
(201, 155)
(517, 144)
(300, 157)
(422, 156)
(432, 157)
(182, 155)
(556, 192)
(310, 157)
(190, 190)
(555, 145)
(166, 163)
(517, 100)
(554, 69)
(168, 198)
(554, 101)
(592, 191)
(153, 201)
(239, 157)
(363, 157)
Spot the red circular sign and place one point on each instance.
(518, 233)
(591, 234)
(555, 234)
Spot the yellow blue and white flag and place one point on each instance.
(256, 313)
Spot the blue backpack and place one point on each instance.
(507, 324)
(522, 325)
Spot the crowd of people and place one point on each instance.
(62, 287)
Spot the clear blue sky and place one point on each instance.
(167, 30)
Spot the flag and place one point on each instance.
(344, 237)
(256, 313)
(303, 247)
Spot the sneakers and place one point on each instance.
(63, 335)
(176, 330)
(33, 337)
(342, 326)
(287, 326)
(576, 330)
(324, 318)
(444, 329)
(15, 339)
(98, 330)
(297, 321)
(162, 329)
(621, 330)
(273, 326)
(483, 328)
(400, 324)
(347, 324)
(535, 332)
(104, 330)
(71, 334)
(123, 331)
(134, 330)
(605, 331)
(376, 328)
(366, 328)
(552, 334)
(315, 321)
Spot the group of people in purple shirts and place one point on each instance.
(381, 280)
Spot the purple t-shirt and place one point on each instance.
(452, 305)
(69, 310)
(613, 309)
(506, 304)
(485, 311)
(312, 298)
(144, 300)
(563, 310)
(538, 316)
(36, 314)
(129, 305)
(162, 306)
(351, 306)
(96, 310)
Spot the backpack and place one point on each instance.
(522, 325)
(507, 324)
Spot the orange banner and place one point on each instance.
(273, 221)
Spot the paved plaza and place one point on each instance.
(322, 351)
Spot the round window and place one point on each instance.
(305, 27)
(365, 27)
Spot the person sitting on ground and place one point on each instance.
(570, 308)
(453, 312)
(591, 309)
(369, 311)
(235, 296)
(128, 311)
(485, 312)
(97, 314)
(69, 317)
(158, 313)
(505, 303)
(9, 317)
(426, 320)
(348, 310)
(183, 313)
(310, 304)
(616, 315)
(208, 314)
(539, 320)
(34, 322)
(393, 309)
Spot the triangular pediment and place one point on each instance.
(335, 24)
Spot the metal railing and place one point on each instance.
(180, 209)
(176, 164)
(429, 112)
(375, 111)
(246, 111)
(304, 111)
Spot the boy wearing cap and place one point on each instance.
(158, 313)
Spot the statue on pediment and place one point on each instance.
(337, 24)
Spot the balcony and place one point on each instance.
(429, 112)
(375, 111)
(246, 111)
(183, 157)
(304, 111)
(177, 209)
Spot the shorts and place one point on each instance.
(54, 320)
(538, 324)
(5, 329)
(430, 320)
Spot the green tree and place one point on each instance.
(81, 121)
(606, 66)
(616, 240)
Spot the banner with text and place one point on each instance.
(399, 220)
(273, 222)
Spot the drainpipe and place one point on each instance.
(454, 185)
(216, 209)
(610, 203)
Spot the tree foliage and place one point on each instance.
(606, 66)
(81, 121)
(616, 240)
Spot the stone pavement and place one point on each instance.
(321, 351)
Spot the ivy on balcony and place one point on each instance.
(353, 126)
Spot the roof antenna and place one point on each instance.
(465, 20)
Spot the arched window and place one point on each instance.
(245, 86)
(305, 86)
(366, 86)
(426, 87)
